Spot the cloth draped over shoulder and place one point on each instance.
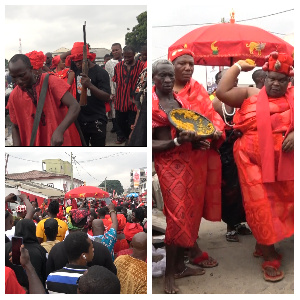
(269, 204)
(22, 109)
(182, 174)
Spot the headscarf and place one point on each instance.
(179, 52)
(55, 61)
(36, 58)
(280, 63)
(77, 53)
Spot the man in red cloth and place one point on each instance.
(208, 160)
(264, 154)
(180, 177)
(56, 127)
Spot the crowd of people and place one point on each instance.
(242, 173)
(76, 246)
(57, 102)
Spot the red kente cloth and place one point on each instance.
(198, 98)
(22, 111)
(269, 206)
(184, 177)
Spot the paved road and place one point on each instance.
(110, 137)
(238, 271)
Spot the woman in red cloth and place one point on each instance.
(264, 154)
(64, 73)
(56, 127)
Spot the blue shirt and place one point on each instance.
(108, 239)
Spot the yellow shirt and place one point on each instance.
(132, 274)
(62, 229)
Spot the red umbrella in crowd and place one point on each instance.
(86, 192)
(224, 44)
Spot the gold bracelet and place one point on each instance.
(112, 211)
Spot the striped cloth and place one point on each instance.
(126, 84)
(64, 281)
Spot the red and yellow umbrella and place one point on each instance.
(86, 192)
(225, 43)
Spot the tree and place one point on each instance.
(112, 185)
(138, 37)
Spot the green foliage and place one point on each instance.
(6, 63)
(138, 37)
(112, 185)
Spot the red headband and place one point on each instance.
(179, 52)
(37, 59)
(280, 63)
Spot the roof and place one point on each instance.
(60, 50)
(31, 175)
(34, 187)
(100, 52)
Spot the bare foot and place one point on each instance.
(170, 286)
(189, 272)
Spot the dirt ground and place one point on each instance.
(238, 272)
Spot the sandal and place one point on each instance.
(258, 253)
(242, 229)
(232, 236)
(204, 261)
(273, 264)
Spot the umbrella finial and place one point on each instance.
(232, 19)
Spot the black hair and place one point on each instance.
(51, 229)
(99, 280)
(256, 75)
(139, 214)
(75, 244)
(117, 44)
(128, 49)
(102, 211)
(217, 75)
(106, 55)
(22, 57)
(53, 207)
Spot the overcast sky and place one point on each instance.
(47, 28)
(212, 12)
(93, 166)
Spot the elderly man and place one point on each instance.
(265, 154)
(56, 126)
(210, 167)
(182, 171)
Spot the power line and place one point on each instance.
(24, 159)
(182, 25)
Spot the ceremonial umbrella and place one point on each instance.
(86, 192)
(225, 43)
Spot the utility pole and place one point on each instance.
(6, 162)
(72, 184)
(105, 184)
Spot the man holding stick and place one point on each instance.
(92, 118)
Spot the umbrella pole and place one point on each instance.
(231, 61)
